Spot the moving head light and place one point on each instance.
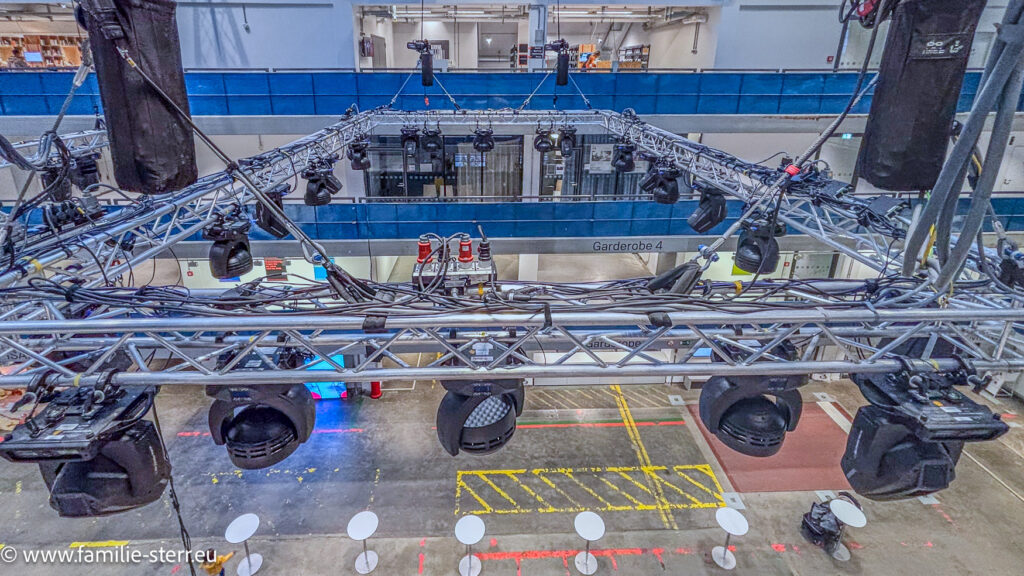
(622, 160)
(261, 425)
(266, 219)
(410, 140)
(662, 181)
(479, 417)
(710, 212)
(543, 142)
(757, 250)
(321, 183)
(483, 140)
(230, 255)
(739, 411)
(358, 154)
(95, 453)
(907, 442)
(567, 140)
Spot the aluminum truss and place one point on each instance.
(979, 328)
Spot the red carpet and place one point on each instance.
(809, 458)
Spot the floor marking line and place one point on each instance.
(608, 505)
(689, 479)
(500, 492)
(531, 492)
(461, 485)
(639, 505)
(645, 460)
(683, 492)
(100, 544)
(637, 484)
(836, 416)
(541, 474)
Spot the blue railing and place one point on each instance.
(331, 93)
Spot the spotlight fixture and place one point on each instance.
(266, 219)
(483, 140)
(622, 159)
(478, 417)
(710, 212)
(431, 140)
(357, 153)
(410, 140)
(567, 140)
(908, 440)
(321, 183)
(662, 182)
(543, 142)
(739, 412)
(261, 425)
(230, 256)
(84, 171)
(426, 60)
(59, 185)
(95, 453)
(757, 250)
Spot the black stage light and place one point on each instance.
(757, 250)
(431, 141)
(739, 412)
(357, 153)
(321, 183)
(567, 140)
(84, 171)
(543, 142)
(907, 442)
(662, 181)
(478, 417)
(261, 425)
(622, 160)
(266, 219)
(230, 255)
(561, 47)
(59, 187)
(410, 140)
(483, 140)
(710, 212)
(96, 454)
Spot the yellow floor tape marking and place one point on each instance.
(637, 505)
(575, 507)
(643, 456)
(100, 544)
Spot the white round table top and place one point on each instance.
(469, 529)
(589, 526)
(362, 525)
(242, 528)
(732, 521)
(847, 513)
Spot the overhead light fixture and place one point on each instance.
(230, 255)
(478, 417)
(84, 170)
(321, 183)
(622, 159)
(431, 141)
(95, 453)
(488, 40)
(266, 219)
(662, 182)
(711, 210)
(261, 425)
(358, 153)
(757, 250)
(57, 182)
(543, 142)
(410, 140)
(567, 140)
(751, 414)
(483, 139)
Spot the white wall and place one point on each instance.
(773, 34)
(281, 34)
(461, 37)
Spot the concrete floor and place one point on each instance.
(632, 454)
(574, 450)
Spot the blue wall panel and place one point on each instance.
(331, 93)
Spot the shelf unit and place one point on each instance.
(638, 57)
(57, 49)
